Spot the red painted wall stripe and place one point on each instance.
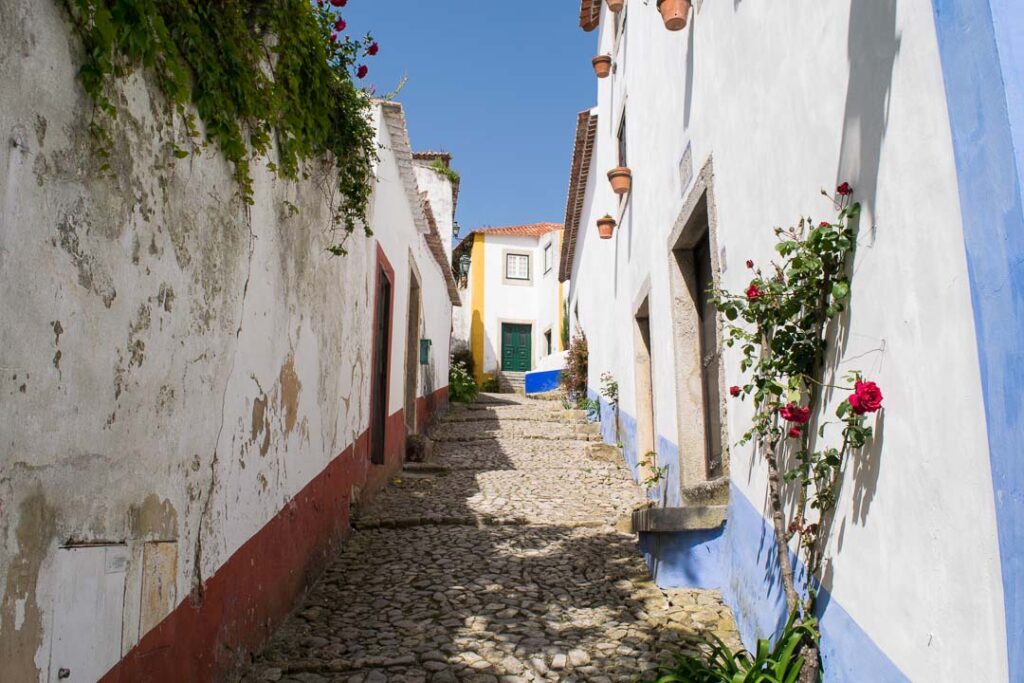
(254, 590)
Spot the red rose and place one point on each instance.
(791, 412)
(845, 189)
(824, 224)
(340, 24)
(339, 3)
(866, 398)
(794, 432)
(753, 292)
(373, 49)
(362, 71)
(734, 391)
(750, 264)
(334, 37)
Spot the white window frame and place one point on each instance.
(509, 277)
(549, 257)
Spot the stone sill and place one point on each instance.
(689, 518)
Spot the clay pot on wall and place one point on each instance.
(621, 179)
(674, 13)
(605, 227)
(602, 65)
(616, 5)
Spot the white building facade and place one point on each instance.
(513, 298)
(732, 127)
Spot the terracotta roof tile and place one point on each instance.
(590, 14)
(530, 230)
(582, 154)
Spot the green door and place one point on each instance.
(516, 347)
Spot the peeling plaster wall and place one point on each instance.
(786, 99)
(174, 365)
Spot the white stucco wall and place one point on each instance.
(177, 366)
(508, 302)
(788, 100)
(440, 191)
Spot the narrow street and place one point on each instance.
(496, 560)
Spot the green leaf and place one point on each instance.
(840, 289)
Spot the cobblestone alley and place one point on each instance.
(498, 560)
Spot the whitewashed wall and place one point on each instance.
(513, 303)
(789, 99)
(177, 366)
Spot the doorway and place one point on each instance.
(516, 347)
(645, 440)
(696, 345)
(381, 364)
(412, 355)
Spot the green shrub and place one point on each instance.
(574, 376)
(465, 357)
(491, 385)
(461, 387)
(716, 663)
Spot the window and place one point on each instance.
(517, 267)
(547, 342)
(549, 258)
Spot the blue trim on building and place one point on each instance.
(986, 112)
(542, 381)
(739, 560)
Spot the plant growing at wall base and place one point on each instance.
(575, 374)
(492, 385)
(461, 387)
(610, 390)
(260, 75)
(715, 662)
(780, 323)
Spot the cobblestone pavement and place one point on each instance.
(496, 561)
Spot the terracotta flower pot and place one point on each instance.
(616, 5)
(602, 65)
(674, 13)
(621, 179)
(605, 227)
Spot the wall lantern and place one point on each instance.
(464, 262)
(425, 351)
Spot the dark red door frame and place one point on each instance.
(379, 441)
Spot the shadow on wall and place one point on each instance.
(872, 48)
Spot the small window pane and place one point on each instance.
(517, 267)
(548, 251)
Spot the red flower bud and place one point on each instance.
(340, 24)
(845, 189)
(753, 292)
(734, 391)
(750, 264)
(794, 432)
(824, 224)
(334, 37)
(373, 49)
(362, 71)
(339, 3)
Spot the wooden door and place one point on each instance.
(381, 354)
(516, 347)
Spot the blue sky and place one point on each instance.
(495, 84)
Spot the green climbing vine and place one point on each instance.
(259, 74)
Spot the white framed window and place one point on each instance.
(549, 257)
(517, 267)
